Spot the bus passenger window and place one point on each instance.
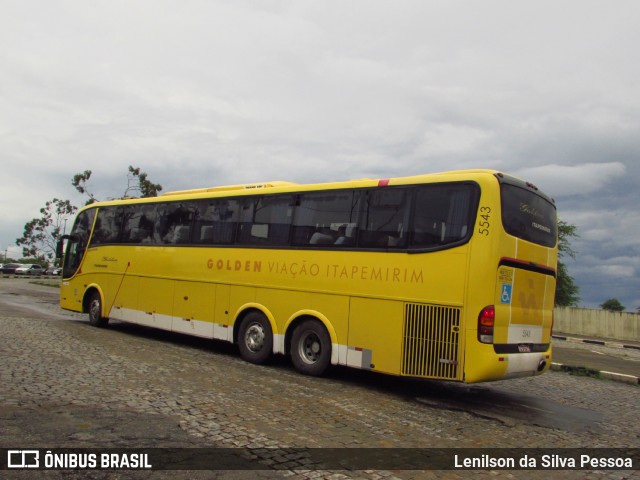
(139, 224)
(174, 223)
(216, 221)
(441, 215)
(326, 219)
(108, 223)
(266, 220)
(386, 216)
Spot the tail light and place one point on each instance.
(486, 320)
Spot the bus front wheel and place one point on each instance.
(95, 311)
(255, 338)
(311, 348)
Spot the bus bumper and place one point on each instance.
(525, 364)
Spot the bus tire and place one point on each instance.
(95, 311)
(311, 348)
(255, 338)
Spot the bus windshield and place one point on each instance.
(527, 215)
(78, 241)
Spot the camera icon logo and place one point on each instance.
(23, 459)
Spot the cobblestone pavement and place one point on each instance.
(67, 384)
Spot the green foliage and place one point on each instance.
(79, 181)
(566, 288)
(41, 234)
(144, 186)
(138, 185)
(566, 231)
(613, 305)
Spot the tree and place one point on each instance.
(613, 305)
(79, 181)
(566, 289)
(137, 182)
(41, 234)
(144, 186)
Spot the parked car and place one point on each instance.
(53, 271)
(10, 267)
(29, 269)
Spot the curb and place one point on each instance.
(595, 342)
(616, 377)
(588, 372)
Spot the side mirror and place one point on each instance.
(59, 249)
(60, 245)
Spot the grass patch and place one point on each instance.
(581, 372)
(55, 284)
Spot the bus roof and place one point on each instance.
(284, 186)
(338, 184)
(226, 188)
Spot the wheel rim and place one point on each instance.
(94, 309)
(310, 348)
(254, 337)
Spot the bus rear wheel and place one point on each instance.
(311, 348)
(95, 311)
(255, 338)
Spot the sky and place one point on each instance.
(212, 92)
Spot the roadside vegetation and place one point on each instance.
(41, 234)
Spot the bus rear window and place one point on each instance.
(528, 216)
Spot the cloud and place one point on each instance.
(603, 278)
(617, 271)
(577, 179)
(612, 230)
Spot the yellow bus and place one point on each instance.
(445, 276)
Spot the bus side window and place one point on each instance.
(441, 215)
(266, 220)
(326, 219)
(139, 224)
(108, 223)
(174, 222)
(216, 221)
(386, 218)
